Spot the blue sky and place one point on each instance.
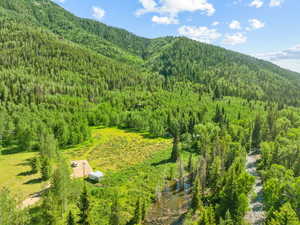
(268, 29)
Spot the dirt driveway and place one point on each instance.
(82, 169)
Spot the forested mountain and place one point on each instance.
(184, 59)
(60, 75)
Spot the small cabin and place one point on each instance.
(96, 176)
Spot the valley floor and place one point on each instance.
(108, 150)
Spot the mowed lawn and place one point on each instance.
(15, 175)
(113, 149)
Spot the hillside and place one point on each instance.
(94, 35)
(233, 73)
(171, 122)
(216, 68)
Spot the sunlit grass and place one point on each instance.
(15, 175)
(108, 150)
(113, 149)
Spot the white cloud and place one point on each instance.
(255, 24)
(98, 13)
(291, 53)
(234, 39)
(256, 3)
(164, 20)
(216, 23)
(235, 25)
(149, 6)
(203, 34)
(276, 3)
(289, 58)
(171, 8)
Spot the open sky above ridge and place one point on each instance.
(268, 29)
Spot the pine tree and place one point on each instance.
(138, 214)
(190, 164)
(207, 216)
(181, 174)
(144, 212)
(214, 173)
(10, 214)
(217, 94)
(84, 207)
(115, 212)
(176, 149)
(197, 193)
(46, 168)
(219, 116)
(49, 211)
(70, 220)
(61, 185)
(256, 133)
(35, 165)
(228, 219)
(285, 216)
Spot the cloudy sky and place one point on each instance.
(268, 29)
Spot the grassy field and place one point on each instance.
(112, 149)
(15, 175)
(108, 150)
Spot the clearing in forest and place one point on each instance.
(15, 174)
(112, 149)
(109, 149)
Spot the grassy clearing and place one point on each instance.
(15, 175)
(108, 150)
(112, 149)
(142, 180)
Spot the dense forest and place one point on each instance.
(60, 75)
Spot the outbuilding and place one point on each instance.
(96, 176)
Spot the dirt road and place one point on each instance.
(82, 170)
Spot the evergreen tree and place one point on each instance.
(285, 216)
(175, 150)
(84, 208)
(35, 165)
(214, 173)
(207, 216)
(46, 168)
(115, 212)
(256, 133)
(228, 219)
(10, 214)
(70, 220)
(197, 193)
(144, 210)
(60, 187)
(220, 116)
(190, 164)
(49, 212)
(138, 213)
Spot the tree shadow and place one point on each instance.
(27, 173)
(165, 161)
(34, 181)
(25, 163)
(179, 221)
(10, 151)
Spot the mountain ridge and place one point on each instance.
(177, 58)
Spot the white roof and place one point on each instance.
(96, 174)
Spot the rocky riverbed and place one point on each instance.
(256, 214)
